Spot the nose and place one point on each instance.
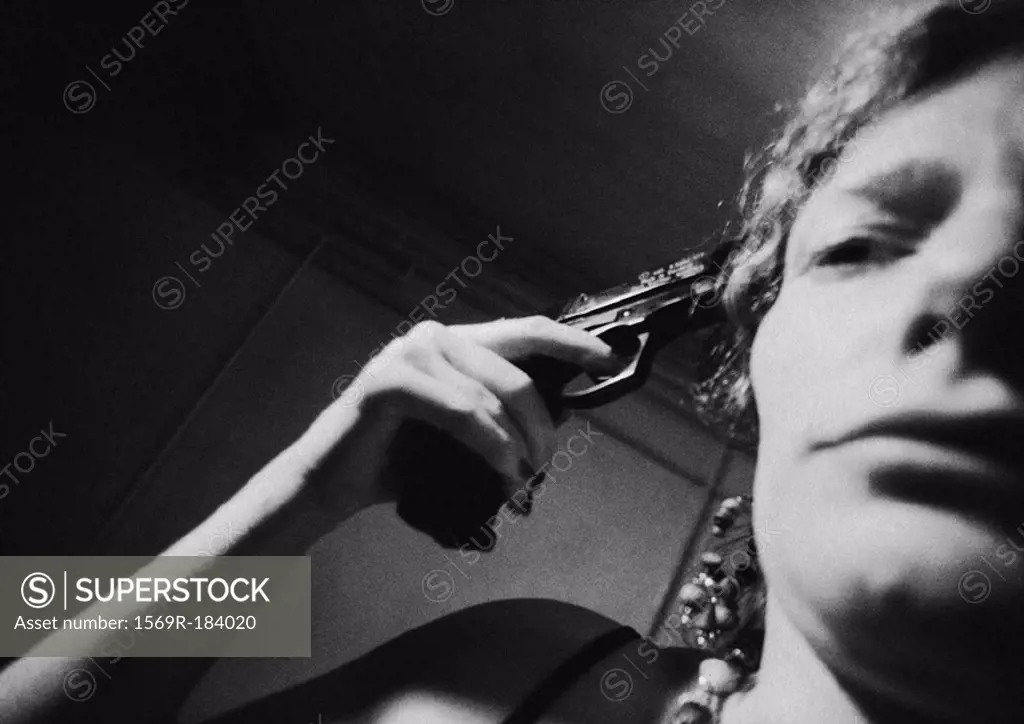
(970, 306)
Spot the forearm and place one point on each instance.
(272, 514)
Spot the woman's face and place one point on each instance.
(895, 345)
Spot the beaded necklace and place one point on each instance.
(702, 704)
(709, 609)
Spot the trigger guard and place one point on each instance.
(608, 388)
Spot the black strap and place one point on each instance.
(544, 695)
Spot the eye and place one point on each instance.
(858, 251)
(850, 251)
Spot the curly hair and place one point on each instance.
(902, 55)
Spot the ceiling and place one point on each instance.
(489, 106)
(496, 106)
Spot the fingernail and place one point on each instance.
(521, 507)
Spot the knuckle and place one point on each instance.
(419, 356)
(487, 402)
(516, 381)
(419, 344)
(427, 329)
(393, 348)
(472, 417)
(462, 409)
(538, 323)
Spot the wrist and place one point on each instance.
(342, 456)
(304, 497)
(279, 515)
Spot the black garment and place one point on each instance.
(477, 654)
(541, 698)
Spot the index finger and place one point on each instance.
(524, 336)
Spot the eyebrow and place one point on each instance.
(922, 191)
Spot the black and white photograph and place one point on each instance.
(512, 362)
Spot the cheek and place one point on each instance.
(793, 385)
(778, 360)
(782, 510)
(770, 387)
(799, 369)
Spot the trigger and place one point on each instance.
(623, 340)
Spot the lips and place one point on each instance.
(994, 437)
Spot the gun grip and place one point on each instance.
(446, 489)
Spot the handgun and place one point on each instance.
(448, 491)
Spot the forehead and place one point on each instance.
(969, 132)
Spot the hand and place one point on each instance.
(459, 379)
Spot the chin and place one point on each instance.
(851, 561)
